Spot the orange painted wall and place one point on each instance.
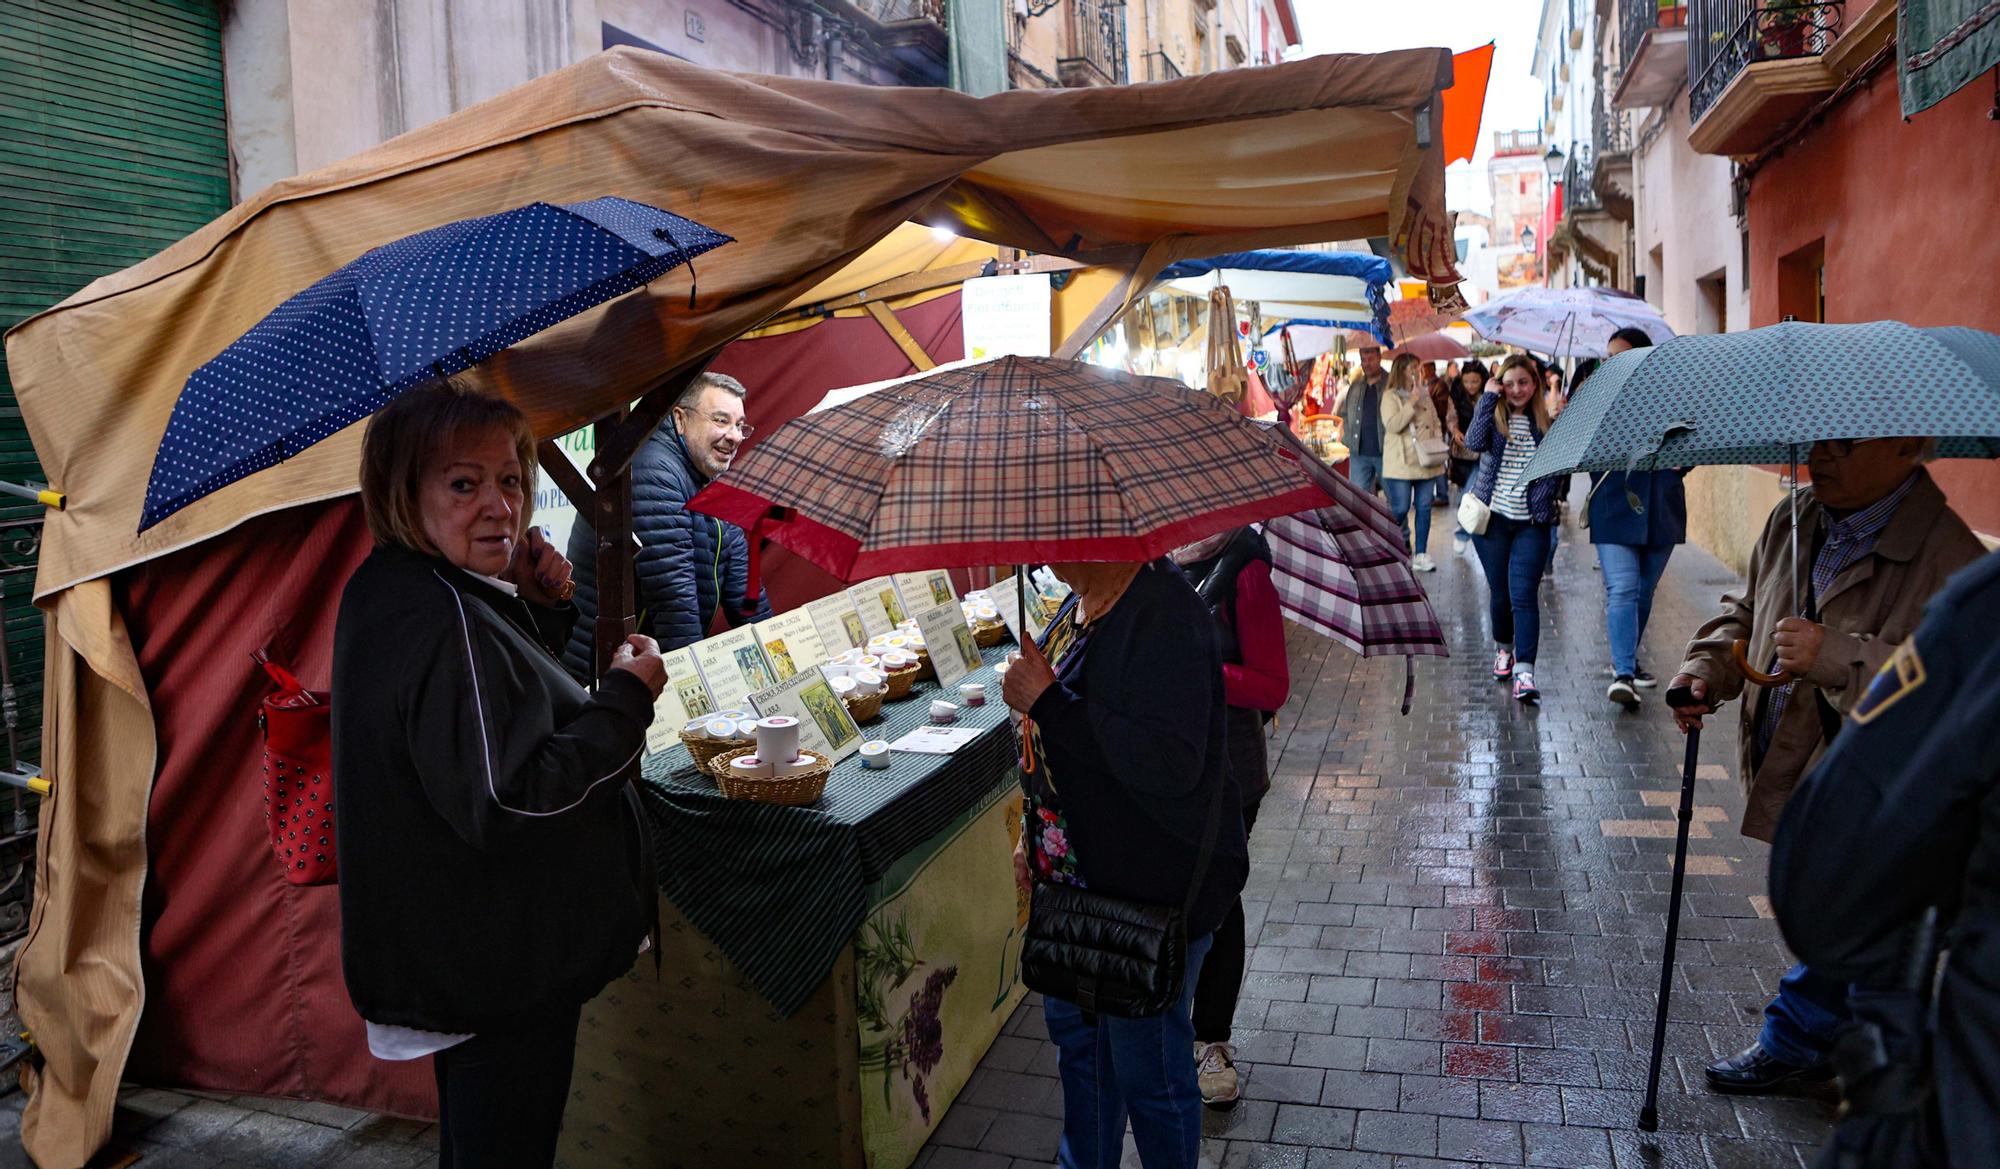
(1910, 216)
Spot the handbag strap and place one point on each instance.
(1207, 847)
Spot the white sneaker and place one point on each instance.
(1421, 562)
(1503, 665)
(1459, 544)
(1524, 686)
(1622, 693)
(1215, 1070)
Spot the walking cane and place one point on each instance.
(1649, 1114)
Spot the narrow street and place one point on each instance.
(1457, 920)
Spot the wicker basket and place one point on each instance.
(796, 791)
(705, 749)
(925, 671)
(989, 635)
(900, 682)
(866, 707)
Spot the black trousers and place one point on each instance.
(501, 1095)
(1222, 971)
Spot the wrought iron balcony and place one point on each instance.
(1160, 67)
(1096, 44)
(898, 11)
(1727, 36)
(1652, 51)
(1579, 187)
(1611, 134)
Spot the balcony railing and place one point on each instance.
(1727, 36)
(1096, 44)
(1579, 192)
(1517, 142)
(1611, 134)
(1638, 17)
(1160, 67)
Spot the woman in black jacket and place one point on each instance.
(491, 875)
(1132, 766)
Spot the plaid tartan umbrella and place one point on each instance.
(1342, 571)
(1017, 460)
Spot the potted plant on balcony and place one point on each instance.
(1781, 31)
(1673, 14)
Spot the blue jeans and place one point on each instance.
(1143, 1068)
(1801, 1023)
(1405, 493)
(1514, 554)
(1365, 472)
(1631, 573)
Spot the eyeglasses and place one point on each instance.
(740, 425)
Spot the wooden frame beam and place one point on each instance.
(617, 447)
(901, 335)
(574, 486)
(929, 281)
(611, 521)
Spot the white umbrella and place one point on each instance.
(1565, 322)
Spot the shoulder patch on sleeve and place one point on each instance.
(1899, 677)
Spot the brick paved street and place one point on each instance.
(1457, 921)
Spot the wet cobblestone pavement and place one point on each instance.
(1456, 920)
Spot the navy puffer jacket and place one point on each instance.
(687, 564)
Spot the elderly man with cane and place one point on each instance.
(1881, 542)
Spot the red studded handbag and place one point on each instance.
(298, 777)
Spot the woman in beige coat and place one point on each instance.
(1414, 449)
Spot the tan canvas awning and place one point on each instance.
(807, 175)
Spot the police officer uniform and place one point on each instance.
(1903, 813)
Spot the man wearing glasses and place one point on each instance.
(1875, 540)
(691, 569)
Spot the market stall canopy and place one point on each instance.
(807, 174)
(1322, 288)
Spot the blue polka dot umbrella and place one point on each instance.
(424, 306)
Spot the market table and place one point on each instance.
(829, 977)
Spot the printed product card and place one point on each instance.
(825, 727)
(880, 608)
(953, 652)
(733, 665)
(684, 700)
(1006, 594)
(838, 625)
(936, 740)
(923, 591)
(790, 643)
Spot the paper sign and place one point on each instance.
(838, 625)
(923, 591)
(684, 700)
(937, 740)
(953, 652)
(733, 665)
(1006, 594)
(880, 607)
(825, 727)
(1006, 315)
(790, 643)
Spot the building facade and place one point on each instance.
(1519, 233)
(1112, 42)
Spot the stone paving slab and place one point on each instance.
(1457, 920)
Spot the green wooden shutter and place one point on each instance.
(113, 144)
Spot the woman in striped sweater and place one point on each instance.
(1507, 426)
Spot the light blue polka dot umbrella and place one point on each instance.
(430, 304)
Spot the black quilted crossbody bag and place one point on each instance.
(1110, 955)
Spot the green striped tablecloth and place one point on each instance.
(781, 890)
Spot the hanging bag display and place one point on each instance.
(298, 777)
(1226, 377)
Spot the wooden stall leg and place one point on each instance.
(611, 519)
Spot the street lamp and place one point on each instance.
(1554, 161)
